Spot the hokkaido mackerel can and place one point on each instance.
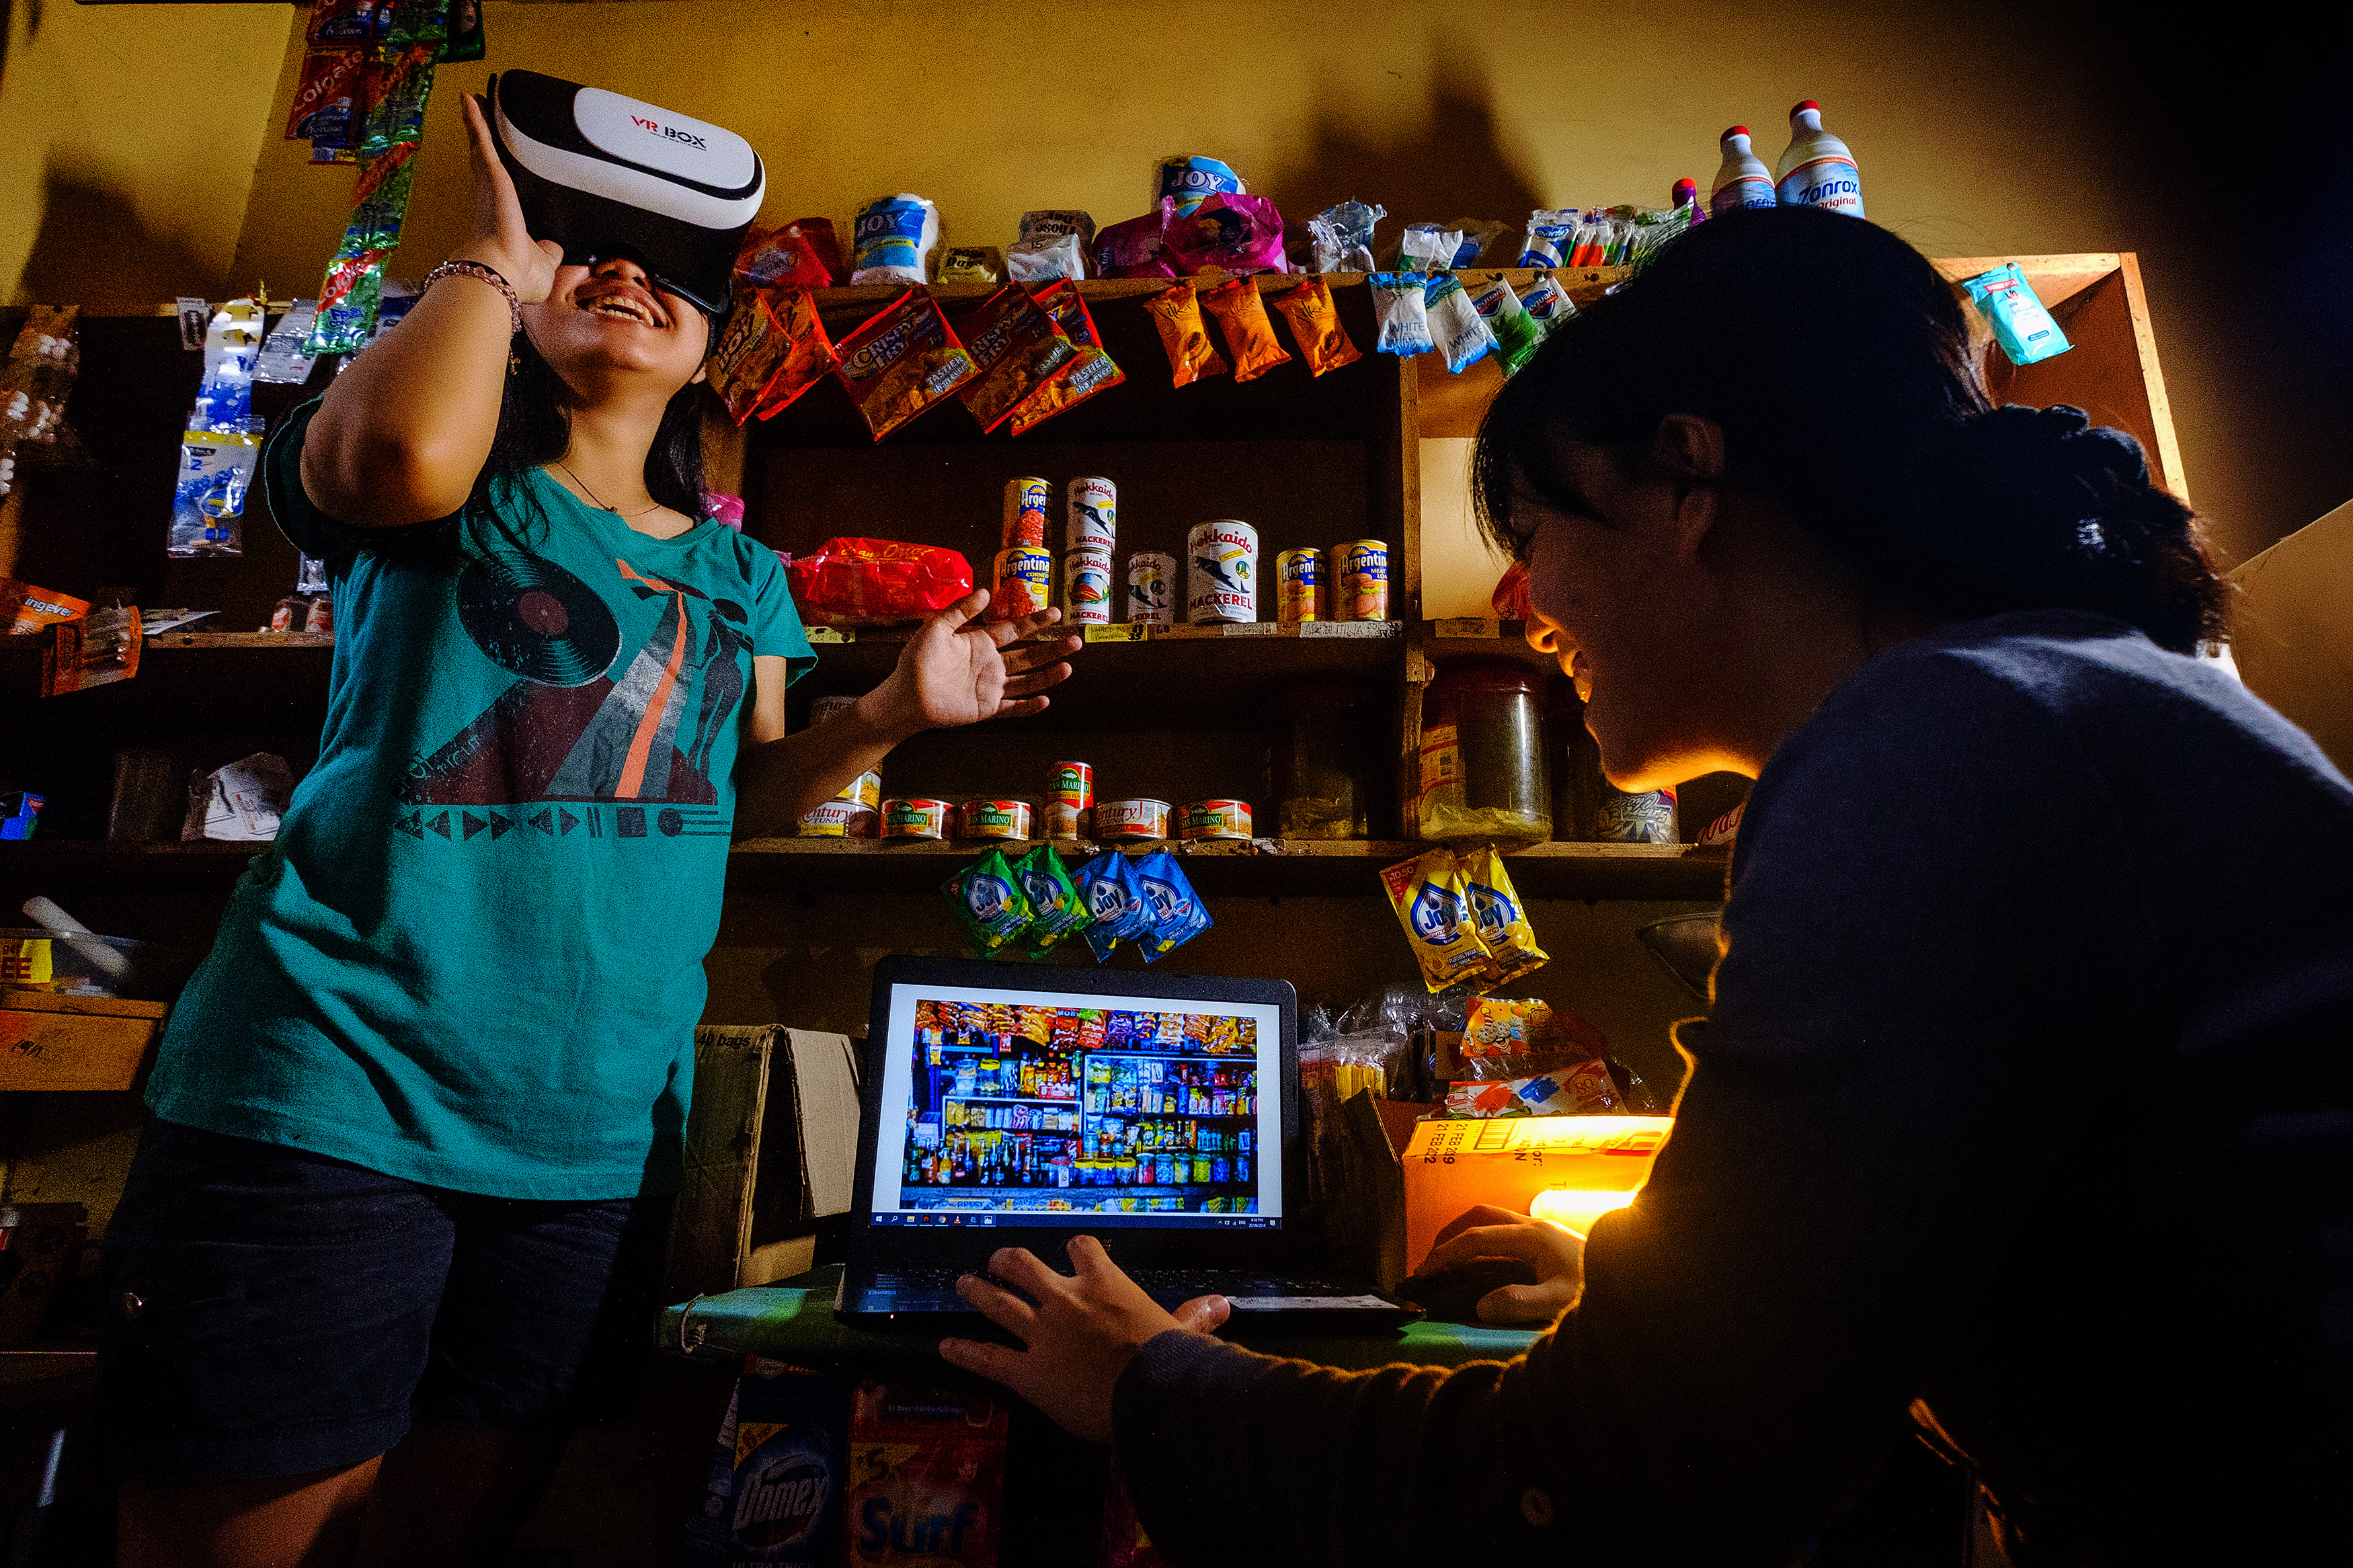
(1299, 586)
(1362, 590)
(1222, 574)
(1151, 594)
(1027, 501)
(1093, 515)
(1086, 587)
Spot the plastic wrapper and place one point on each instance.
(325, 97)
(1185, 333)
(39, 376)
(1428, 247)
(1052, 245)
(1516, 337)
(1316, 322)
(1478, 234)
(1402, 313)
(1089, 370)
(905, 358)
(418, 23)
(1547, 304)
(1114, 894)
(780, 257)
(989, 904)
(891, 240)
(751, 350)
(1510, 599)
(97, 649)
(1580, 1089)
(972, 264)
(2026, 331)
(348, 23)
(809, 356)
(1236, 233)
(240, 802)
(926, 1476)
(1651, 231)
(354, 279)
(1593, 239)
(1058, 909)
(1016, 348)
(1548, 241)
(1505, 1036)
(778, 1479)
(1431, 897)
(397, 95)
(26, 609)
(282, 359)
(1178, 914)
(208, 495)
(1188, 180)
(1249, 332)
(876, 582)
(1502, 919)
(1341, 236)
(1459, 331)
(1132, 249)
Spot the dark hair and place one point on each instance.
(1839, 365)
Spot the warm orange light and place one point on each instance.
(1589, 1164)
(1574, 1208)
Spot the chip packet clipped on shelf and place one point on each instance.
(1316, 322)
(891, 239)
(1460, 331)
(1016, 348)
(1516, 337)
(1500, 919)
(809, 356)
(1057, 907)
(904, 358)
(972, 264)
(1177, 911)
(926, 1476)
(1185, 332)
(1228, 233)
(1113, 893)
(1132, 249)
(1401, 310)
(1550, 237)
(1340, 237)
(779, 258)
(989, 904)
(857, 581)
(751, 350)
(1249, 333)
(1089, 370)
(1430, 896)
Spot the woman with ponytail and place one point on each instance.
(2022, 1118)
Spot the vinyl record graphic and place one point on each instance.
(532, 618)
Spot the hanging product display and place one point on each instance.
(222, 444)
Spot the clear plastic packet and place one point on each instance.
(780, 257)
(1188, 180)
(1316, 322)
(1502, 921)
(1016, 347)
(809, 356)
(1228, 232)
(1185, 333)
(1478, 235)
(1090, 370)
(1516, 336)
(1341, 236)
(2026, 330)
(43, 362)
(876, 582)
(1053, 244)
(1548, 303)
(900, 361)
(1459, 331)
(891, 239)
(1428, 247)
(1651, 230)
(1550, 237)
(1132, 249)
(1054, 898)
(972, 264)
(1590, 242)
(989, 904)
(1399, 307)
(1249, 333)
(1113, 893)
(281, 361)
(1178, 914)
(223, 441)
(1431, 897)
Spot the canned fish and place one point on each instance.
(1027, 502)
(1094, 524)
(1070, 795)
(1223, 575)
(1150, 601)
(1086, 587)
(852, 813)
(1298, 586)
(1129, 819)
(1025, 582)
(1205, 819)
(1362, 590)
(994, 819)
(915, 819)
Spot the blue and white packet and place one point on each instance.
(1400, 308)
(1460, 331)
(1547, 304)
(1429, 246)
(222, 444)
(1177, 911)
(2020, 323)
(780, 1475)
(1550, 237)
(1191, 180)
(891, 240)
(1114, 896)
(1341, 235)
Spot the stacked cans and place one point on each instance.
(1023, 583)
(1349, 584)
(1090, 535)
(1221, 578)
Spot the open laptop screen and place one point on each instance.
(1024, 1105)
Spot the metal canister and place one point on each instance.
(321, 616)
(1132, 819)
(1086, 587)
(1222, 571)
(1299, 586)
(1025, 582)
(855, 812)
(915, 819)
(1027, 502)
(1151, 588)
(1360, 590)
(1207, 819)
(993, 820)
(1070, 795)
(1093, 511)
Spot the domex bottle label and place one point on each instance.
(1830, 181)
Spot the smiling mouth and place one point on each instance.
(623, 308)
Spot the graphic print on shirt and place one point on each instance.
(570, 728)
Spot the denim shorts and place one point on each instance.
(272, 1312)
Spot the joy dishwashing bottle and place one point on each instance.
(1817, 171)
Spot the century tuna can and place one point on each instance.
(915, 819)
(1069, 796)
(1298, 586)
(1361, 588)
(1093, 515)
(1204, 819)
(852, 812)
(1027, 502)
(1150, 593)
(1222, 574)
(1125, 820)
(994, 819)
(1025, 582)
(1086, 587)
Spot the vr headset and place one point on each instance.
(604, 176)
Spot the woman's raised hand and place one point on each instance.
(957, 671)
(502, 241)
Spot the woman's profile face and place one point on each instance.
(610, 319)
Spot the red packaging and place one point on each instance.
(329, 88)
(1090, 370)
(779, 259)
(1131, 249)
(874, 582)
(818, 235)
(904, 358)
(347, 24)
(752, 348)
(808, 353)
(1124, 1543)
(1017, 348)
(927, 1478)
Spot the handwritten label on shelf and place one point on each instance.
(831, 634)
(1252, 629)
(1470, 626)
(1134, 631)
(1348, 628)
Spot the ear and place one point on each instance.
(701, 374)
(1687, 451)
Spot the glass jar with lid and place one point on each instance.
(1484, 777)
(1322, 759)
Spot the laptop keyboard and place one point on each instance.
(1166, 1286)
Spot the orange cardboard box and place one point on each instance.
(1585, 1165)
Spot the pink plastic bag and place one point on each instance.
(874, 582)
(1229, 231)
(1131, 249)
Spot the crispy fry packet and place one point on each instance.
(1016, 347)
(1089, 370)
(902, 361)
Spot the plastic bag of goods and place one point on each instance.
(876, 582)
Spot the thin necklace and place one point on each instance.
(616, 511)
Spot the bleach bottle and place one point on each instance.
(1743, 180)
(1817, 171)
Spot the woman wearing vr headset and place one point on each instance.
(398, 1227)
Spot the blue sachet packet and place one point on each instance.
(1176, 912)
(1402, 313)
(1113, 897)
(2020, 324)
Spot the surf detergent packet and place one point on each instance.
(1431, 897)
(1457, 325)
(1249, 333)
(904, 358)
(2020, 324)
(1113, 893)
(926, 1476)
(1057, 907)
(1400, 308)
(1500, 919)
(1178, 914)
(891, 239)
(1177, 311)
(1316, 322)
(1016, 348)
(989, 903)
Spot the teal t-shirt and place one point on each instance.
(473, 956)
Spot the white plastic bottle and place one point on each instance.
(1817, 171)
(1742, 182)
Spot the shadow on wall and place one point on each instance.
(92, 250)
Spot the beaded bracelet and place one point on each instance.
(488, 275)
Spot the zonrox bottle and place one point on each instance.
(1817, 171)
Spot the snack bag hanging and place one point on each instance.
(1400, 309)
(752, 349)
(1455, 323)
(892, 239)
(1055, 898)
(1114, 894)
(1088, 371)
(808, 353)
(222, 444)
(1316, 322)
(779, 258)
(902, 361)
(876, 582)
(1250, 334)
(1501, 921)
(1547, 304)
(1177, 311)
(989, 903)
(1016, 348)
(1430, 896)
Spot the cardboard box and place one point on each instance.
(1596, 1163)
(48, 1040)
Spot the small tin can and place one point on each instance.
(915, 819)
(1299, 586)
(320, 618)
(1093, 511)
(1361, 589)
(1132, 819)
(1207, 819)
(1150, 595)
(854, 813)
(993, 820)
(1222, 577)
(1027, 502)
(1086, 587)
(1025, 582)
(1070, 795)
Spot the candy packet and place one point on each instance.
(891, 239)
(1177, 311)
(904, 358)
(1428, 247)
(1524, 1034)
(1400, 308)
(1052, 245)
(926, 1476)
(1016, 347)
(1547, 304)
(989, 903)
(1250, 334)
(1053, 895)
(1341, 236)
(1478, 234)
(1516, 336)
(1549, 237)
(2026, 330)
(1177, 911)
(1089, 370)
(1430, 896)
(1315, 323)
(972, 264)
(779, 258)
(1234, 234)
(1131, 249)
(1501, 921)
(1457, 326)
(1116, 911)
(809, 356)
(1188, 180)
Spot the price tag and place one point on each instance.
(1348, 628)
(1252, 630)
(1470, 626)
(831, 634)
(1131, 631)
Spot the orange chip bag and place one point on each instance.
(1016, 347)
(1090, 369)
(1316, 322)
(927, 1478)
(904, 358)
(752, 347)
(1249, 335)
(1177, 311)
(808, 353)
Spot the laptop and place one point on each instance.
(1007, 1105)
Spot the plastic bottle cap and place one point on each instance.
(1736, 131)
(1810, 103)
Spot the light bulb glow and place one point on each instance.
(1575, 1209)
